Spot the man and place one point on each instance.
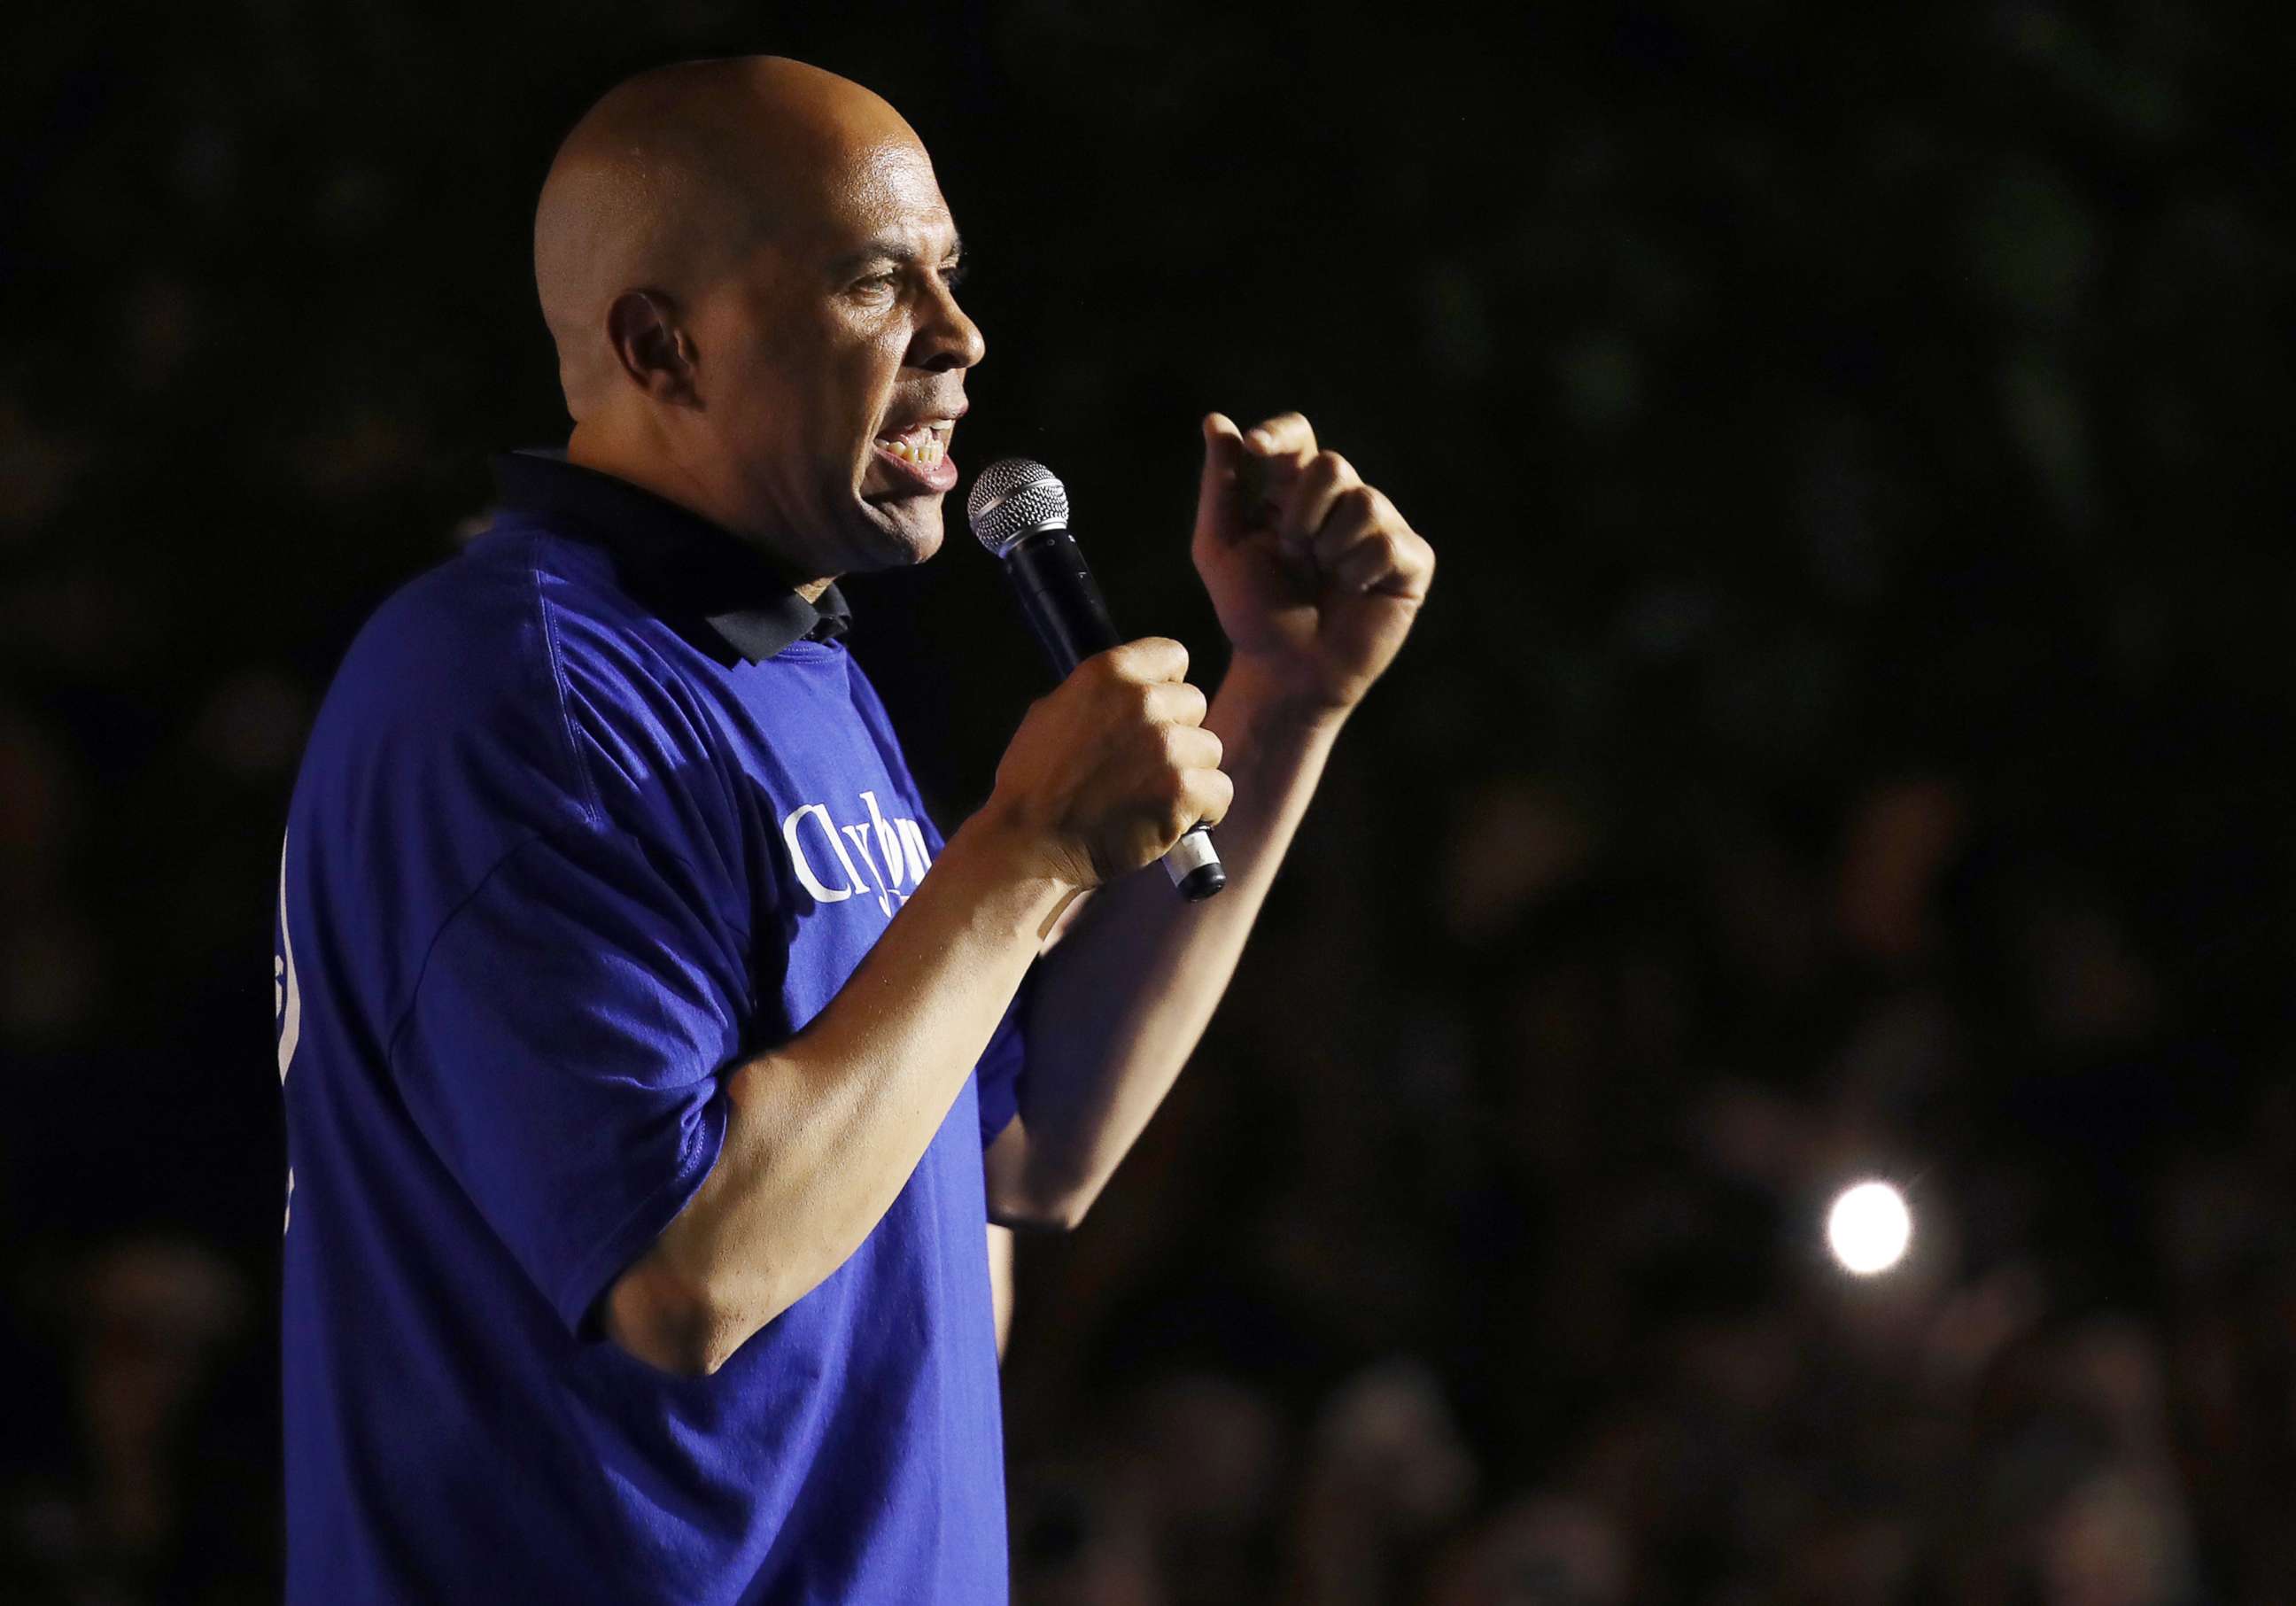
(647, 1100)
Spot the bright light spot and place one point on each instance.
(1869, 1228)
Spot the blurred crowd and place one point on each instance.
(1850, 739)
(1504, 1281)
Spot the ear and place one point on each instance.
(654, 347)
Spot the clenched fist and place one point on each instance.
(1317, 575)
(1111, 766)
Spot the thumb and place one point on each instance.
(1223, 453)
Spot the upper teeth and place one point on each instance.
(920, 443)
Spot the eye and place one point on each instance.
(952, 274)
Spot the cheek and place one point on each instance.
(876, 369)
(755, 400)
(816, 394)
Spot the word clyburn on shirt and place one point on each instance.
(900, 850)
(591, 812)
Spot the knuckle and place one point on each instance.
(1147, 660)
(1172, 812)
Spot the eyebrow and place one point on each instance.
(889, 251)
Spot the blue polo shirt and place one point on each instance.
(591, 812)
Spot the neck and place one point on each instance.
(595, 446)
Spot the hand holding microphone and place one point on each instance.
(1113, 765)
(1116, 763)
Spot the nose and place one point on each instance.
(946, 338)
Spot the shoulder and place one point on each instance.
(508, 701)
(517, 676)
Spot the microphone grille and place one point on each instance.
(1014, 497)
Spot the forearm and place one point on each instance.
(1000, 1283)
(823, 1132)
(1122, 1001)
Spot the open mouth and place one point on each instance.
(918, 453)
(924, 443)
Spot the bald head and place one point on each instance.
(677, 175)
(751, 273)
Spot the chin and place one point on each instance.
(906, 533)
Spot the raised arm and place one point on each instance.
(1318, 579)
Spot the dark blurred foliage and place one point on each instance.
(1849, 735)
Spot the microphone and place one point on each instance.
(1020, 513)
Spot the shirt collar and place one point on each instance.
(671, 558)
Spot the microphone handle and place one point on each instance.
(1064, 606)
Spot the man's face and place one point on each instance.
(832, 367)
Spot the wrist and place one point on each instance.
(1258, 696)
(997, 843)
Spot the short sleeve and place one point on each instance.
(563, 1052)
(997, 1078)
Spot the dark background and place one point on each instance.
(1848, 736)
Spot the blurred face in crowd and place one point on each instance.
(749, 272)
